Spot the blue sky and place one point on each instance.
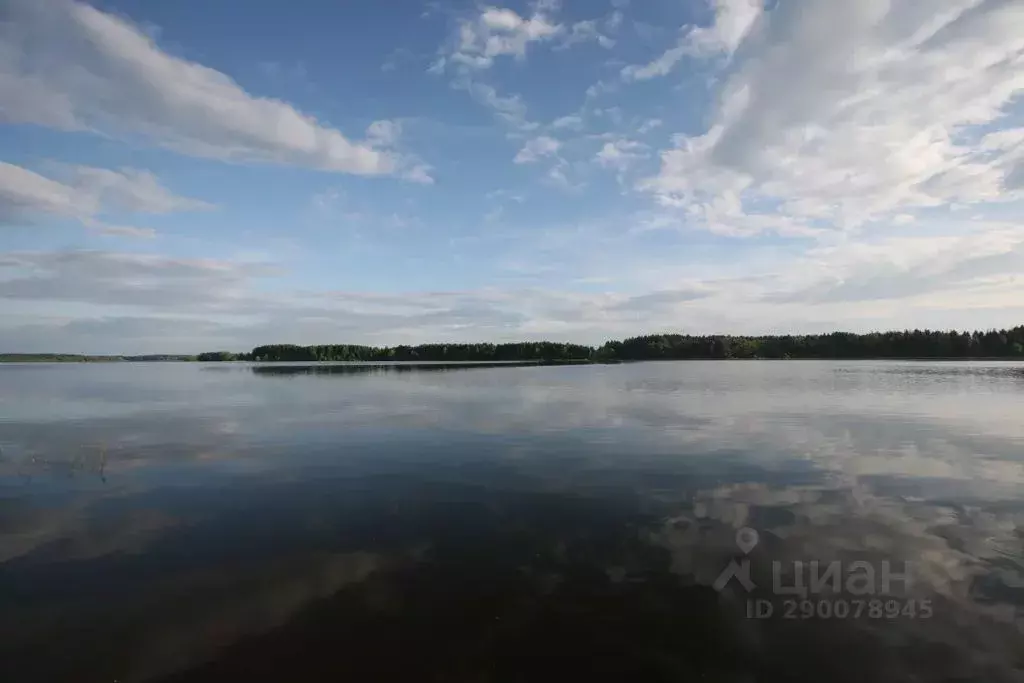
(198, 175)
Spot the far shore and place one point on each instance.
(69, 358)
(906, 345)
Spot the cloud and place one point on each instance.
(619, 154)
(536, 149)
(847, 113)
(25, 192)
(420, 173)
(130, 190)
(600, 88)
(587, 31)
(384, 133)
(387, 134)
(70, 66)
(733, 21)
(222, 303)
(85, 194)
(110, 302)
(112, 278)
(556, 177)
(572, 122)
(492, 33)
(613, 20)
(508, 108)
(497, 32)
(901, 267)
(663, 301)
(122, 230)
(659, 67)
(649, 125)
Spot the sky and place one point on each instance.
(214, 174)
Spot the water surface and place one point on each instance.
(295, 522)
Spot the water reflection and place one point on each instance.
(505, 524)
(335, 369)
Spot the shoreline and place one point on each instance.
(71, 359)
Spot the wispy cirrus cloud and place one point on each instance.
(116, 278)
(589, 30)
(620, 153)
(733, 21)
(509, 109)
(984, 266)
(536, 149)
(226, 299)
(219, 298)
(485, 36)
(496, 32)
(86, 194)
(70, 66)
(885, 117)
(491, 33)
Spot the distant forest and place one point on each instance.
(836, 345)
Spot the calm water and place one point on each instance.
(181, 522)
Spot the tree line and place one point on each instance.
(483, 352)
(836, 345)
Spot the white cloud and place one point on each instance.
(494, 32)
(613, 21)
(649, 125)
(25, 192)
(223, 293)
(129, 190)
(586, 31)
(572, 122)
(847, 113)
(124, 231)
(497, 32)
(658, 67)
(221, 299)
(112, 278)
(558, 178)
(384, 133)
(619, 154)
(600, 88)
(508, 108)
(982, 266)
(85, 194)
(890, 283)
(419, 173)
(733, 22)
(68, 65)
(536, 149)
(491, 33)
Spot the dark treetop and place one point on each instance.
(905, 344)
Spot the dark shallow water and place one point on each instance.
(223, 522)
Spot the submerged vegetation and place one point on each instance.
(906, 344)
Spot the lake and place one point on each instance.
(720, 521)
